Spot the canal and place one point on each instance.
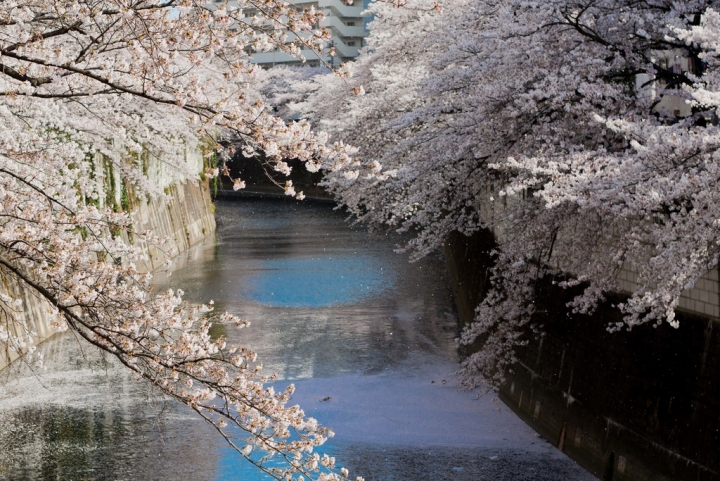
(366, 337)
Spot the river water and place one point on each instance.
(366, 337)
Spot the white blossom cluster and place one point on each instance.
(547, 122)
(96, 93)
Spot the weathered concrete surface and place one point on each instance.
(636, 405)
(185, 217)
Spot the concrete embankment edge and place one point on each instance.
(184, 217)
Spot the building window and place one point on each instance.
(351, 44)
(350, 24)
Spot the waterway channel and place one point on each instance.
(366, 336)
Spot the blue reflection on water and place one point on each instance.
(304, 282)
(233, 467)
(316, 282)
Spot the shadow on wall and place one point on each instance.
(633, 405)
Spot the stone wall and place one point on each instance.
(639, 405)
(185, 217)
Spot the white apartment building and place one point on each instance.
(677, 62)
(347, 26)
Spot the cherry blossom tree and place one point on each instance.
(86, 83)
(583, 133)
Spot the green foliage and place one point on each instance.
(115, 231)
(109, 185)
(208, 147)
(82, 231)
(125, 202)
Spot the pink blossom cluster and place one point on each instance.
(584, 134)
(102, 95)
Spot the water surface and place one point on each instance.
(366, 336)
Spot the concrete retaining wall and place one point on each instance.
(185, 217)
(639, 405)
